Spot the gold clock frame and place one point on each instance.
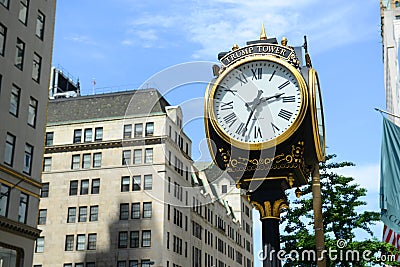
(270, 143)
(312, 80)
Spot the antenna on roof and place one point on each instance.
(93, 83)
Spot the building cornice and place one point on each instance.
(19, 228)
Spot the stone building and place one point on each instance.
(26, 43)
(120, 189)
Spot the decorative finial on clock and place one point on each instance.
(263, 35)
(235, 47)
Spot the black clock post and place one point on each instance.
(282, 148)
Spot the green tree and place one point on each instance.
(341, 214)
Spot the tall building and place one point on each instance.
(390, 24)
(26, 42)
(120, 189)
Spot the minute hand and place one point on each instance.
(270, 97)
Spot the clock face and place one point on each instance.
(258, 101)
(318, 117)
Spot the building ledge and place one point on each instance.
(19, 228)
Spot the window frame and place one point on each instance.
(91, 245)
(42, 216)
(36, 67)
(137, 156)
(28, 158)
(134, 239)
(147, 212)
(135, 210)
(47, 161)
(19, 54)
(95, 189)
(126, 157)
(97, 158)
(71, 215)
(149, 131)
(135, 185)
(73, 191)
(146, 238)
(9, 149)
(138, 131)
(88, 135)
(3, 39)
(15, 98)
(123, 234)
(24, 8)
(77, 138)
(148, 155)
(69, 243)
(49, 141)
(94, 213)
(84, 187)
(80, 242)
(146, 185)
(125, 187)
(127, 134)
(124, 211)
(39, 246)
(83, 214)
(98, 134)
(40, 25)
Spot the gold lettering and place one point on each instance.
(283, 51)
(277, 50)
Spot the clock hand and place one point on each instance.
(270, 97)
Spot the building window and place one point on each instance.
(96, 160)
(69, 243)
(125, 183)
(82, 214)
(124, 211)
(137, 156)
(28, 158)
(224, 189)
(4, 3)
(4, 193)
(40, 20)
(76, 162)
(67, 265)
(77, 136)
(85, 187)
(9, 149)
(135, 213)
(36, 67)
(95, 186)
(121, 264)
(47, 164)
(73, 188)
(127, 131)
(136, 183)
(88, 135)
(23, 11)
(80, 264)
(134, 239)
(14, 101)
(146, 238)
(138, 130)
(148, 182)
(150, 129)
(123, 240)
(80, 242)
(148, 155)
(39, 245)
(42, 216)
(133, 263)
(147, 209)
(19, 54)
(92, 240)
(71, 218)
(32, 110)
(86, 161)
(126, 157)
(49, 138)
(98, 134)
(44, 192)
(94, 213)
(146, 263)
(23, 207)
(3, 34)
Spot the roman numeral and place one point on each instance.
(226, 106)
(242, 78)
(257, 73)
(257, 132)
(230, 119)
(272, 75)
(230, 90)
(287, 99)
(284, 114)
(283, 85)
(241, 130)
(274, 128)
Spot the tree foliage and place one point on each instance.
(342, 215)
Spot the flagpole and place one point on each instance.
(383, 111)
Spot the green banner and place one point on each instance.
(390, 175)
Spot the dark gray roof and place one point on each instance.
(119, 104)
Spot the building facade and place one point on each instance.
(26, 42)
(390, 26)
(120, 189)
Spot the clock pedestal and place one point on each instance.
(269, 199)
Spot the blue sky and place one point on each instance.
(128, 44)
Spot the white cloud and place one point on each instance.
(83, 39)
(218, 24)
